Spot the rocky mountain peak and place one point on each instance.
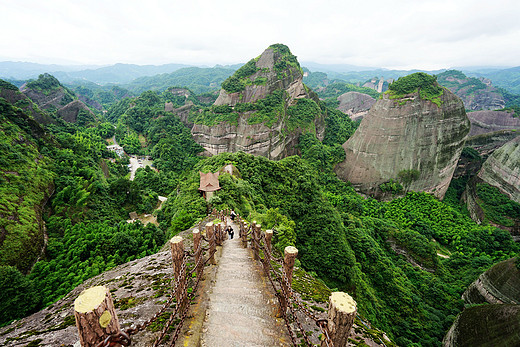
(49, 94)
(262, 109)
(477, 94)
(413, 134)
(275, 69)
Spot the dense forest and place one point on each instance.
(85, 196)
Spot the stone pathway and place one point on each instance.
(241, 309)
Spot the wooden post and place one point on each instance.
(177, 248)
(256, 239)
(218, 236)
(222, 233)
(197, 247)
(268, 238)
(95, 315)
(341, 315)
(290, 253)
(243, 227)
(210, 234)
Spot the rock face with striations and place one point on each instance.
(498, 285)
(355, 105)
(497, 323)
(262, 109)
(484, 122)
(417, 126)
(502, 169)
(477, 94)
(49, 94)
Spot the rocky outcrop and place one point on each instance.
(289, 79)
(264, 97)
(502, 169)
(407, 133)
(498, 322)
(49, 94)
(72, 110)
(11, 93)
(355, 105)
(90, 102)
(378, 84)
(486, 144)
(256, 139)
(484, 122)
(487, 325)
(477, 94)
(498, 285)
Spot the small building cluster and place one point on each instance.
(116, 148)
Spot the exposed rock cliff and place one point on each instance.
(502, 169)
(419, 127)
(495, 324)
(498, 285)
(378, 84)
(262, 109)
(487, 325)
(76, 111)
(355, 104)
(484, 122)
(11, 93)
(49, 94)
(26, 183)
(487, 143)
(475, 93)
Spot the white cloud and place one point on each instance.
(398, 34)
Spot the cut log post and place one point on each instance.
(177, 249)
(256, 240)
(218, 235)
(198, 252)
(290, 254)
(341, 315)
(95, 315)
(223, 233)
(210, 234)
(268, 239)
(243, 227)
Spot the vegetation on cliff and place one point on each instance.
(241, 78)
(426, 85)
(48, 84)
(26, 180)
(498, 207)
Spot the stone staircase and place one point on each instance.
(241, 303)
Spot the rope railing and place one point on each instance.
(99, 326)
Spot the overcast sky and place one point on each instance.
(402, 34)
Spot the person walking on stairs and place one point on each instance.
(230, 231)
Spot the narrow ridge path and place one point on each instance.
(242, 305)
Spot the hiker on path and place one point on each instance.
(233, 215)
(230, 231)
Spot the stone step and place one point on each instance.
(239, 312)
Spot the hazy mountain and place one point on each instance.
(23, 70)
(508, 79)
(199, 80)
(118, 73)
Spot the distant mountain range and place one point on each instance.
(117, 74)
(508, 79)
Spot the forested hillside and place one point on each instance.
(406, 261)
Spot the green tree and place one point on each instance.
(407, 177)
